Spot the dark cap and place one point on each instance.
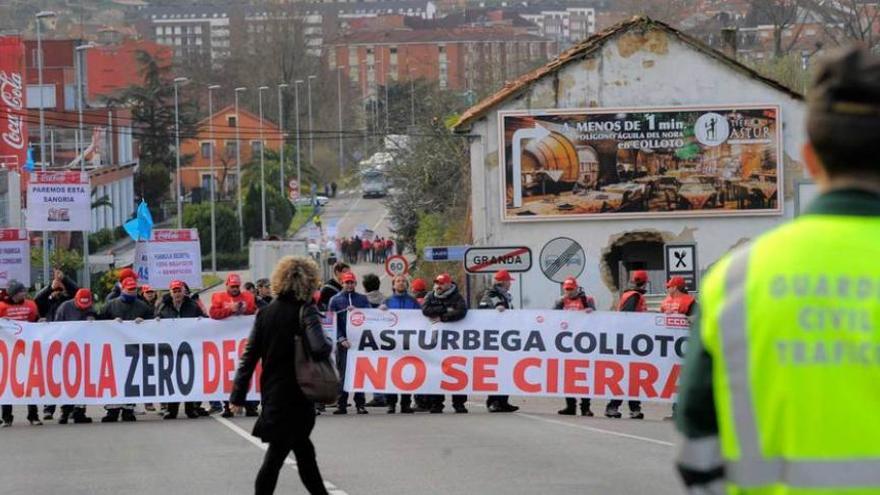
(843, 120)
(15, 287)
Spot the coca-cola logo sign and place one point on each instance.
(12, 95)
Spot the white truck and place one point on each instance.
(374, 184)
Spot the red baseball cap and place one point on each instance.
(678, 282)
(233, 280)
(127, 273)
(129, 283)
(176, 284)
(503, 276)
(443, 279)
(570, 283)
(83, 298)
(419, 285)
(147, 288)
(639, 276)
(349, 277)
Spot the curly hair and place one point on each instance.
(296, 276)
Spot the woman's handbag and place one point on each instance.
(315, 371)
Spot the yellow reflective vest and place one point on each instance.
(792, 325)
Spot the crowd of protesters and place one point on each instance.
(62, 300)
(356, 249)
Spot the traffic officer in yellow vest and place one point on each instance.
(789, 330)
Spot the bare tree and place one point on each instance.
(782, 15)
(850, 20)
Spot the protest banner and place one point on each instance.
(100, 362)
(15, 258)
(174, 254)
(608, 355)
(59, 201)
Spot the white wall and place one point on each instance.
(638, 71)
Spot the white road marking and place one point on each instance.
(333, 489)
(597, 430)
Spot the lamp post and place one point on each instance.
(78, 61)
(213, 189)
(281, 132)
(311, 135)
(339, 118)
(238, 168)
(262, 162)
(40, 16)
(177, 82)
(296, 111)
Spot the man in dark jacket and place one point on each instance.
(126, 307)
(340, 304)
(400, 299)
(332, 286)
(49, 298)
(445, 304)
(498, 298)
(632, 300)
(176, 304)
(264, 293)
(117, 287)
(80, 308)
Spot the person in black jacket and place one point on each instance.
(332, 286)
(445, 304)
(49, 298)
(498, 298)
(177, 304)
(287, 416)
(80, 308)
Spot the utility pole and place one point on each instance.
(40, 17)
(213, 189)
(283, 141)
(262, 162)
(339, 119)
(177, 81)
(238, 168)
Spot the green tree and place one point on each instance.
(67, 260)
(153, 114)
(279, 212)
(199, 217)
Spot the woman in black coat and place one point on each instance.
(287, 416)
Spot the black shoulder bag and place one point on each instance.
(315, 372)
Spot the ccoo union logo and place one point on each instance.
(673, 321)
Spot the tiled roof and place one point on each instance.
(455, 35)
(593, 44)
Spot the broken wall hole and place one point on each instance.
(640, 250)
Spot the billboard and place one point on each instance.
(13, 108)
(642, 162)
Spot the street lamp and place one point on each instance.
(40, 16)
(339, 117)
(296, 111)
(311, 135)
(213, 192)
(78, 61)
(281, 132)
(238, 168)
(262, 162)
(177, 82)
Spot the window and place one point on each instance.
(230, 149)
(256, 147)
(206, 183)
(206, 149)
(231, 182)
(232, 120)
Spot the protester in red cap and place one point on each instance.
(80, 308)
(149, 295)
(445, 303)
(19, 308)
(233, 302)
(678, 301)
(177, 304)
(632, 300)
(498, 298)
(574, 299)
(126, 307)
(340, 304)
(117, 288)
(419, 289)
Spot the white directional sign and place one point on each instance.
(396, 265)
(494, 259)
(562, 258)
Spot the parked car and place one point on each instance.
(307, 201)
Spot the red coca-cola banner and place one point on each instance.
(13, 110)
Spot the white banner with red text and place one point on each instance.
(608, 355)
(108, 362)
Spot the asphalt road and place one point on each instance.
(531, 452)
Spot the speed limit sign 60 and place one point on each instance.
(396, 265)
